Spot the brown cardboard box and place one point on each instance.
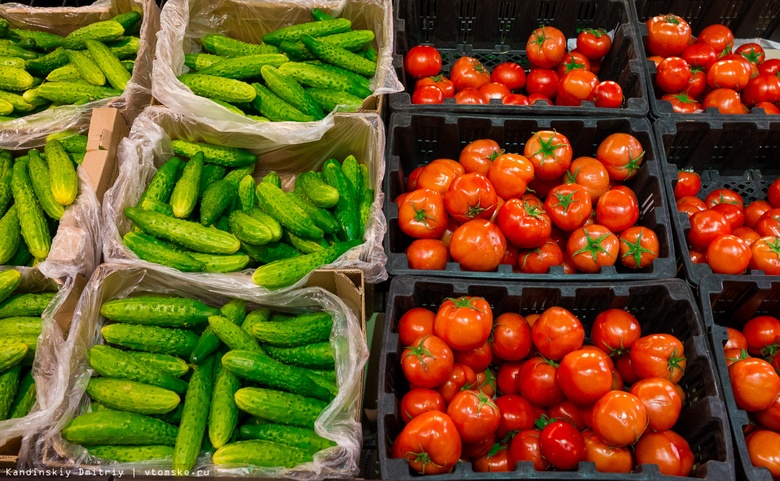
(106, 129)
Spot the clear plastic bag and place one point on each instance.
(338, 422)
(19, 133)
(149, 146)
(184, 22)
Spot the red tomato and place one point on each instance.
(444, 84)
(700, 55)
(607, 459)
(479, 155)
(562, 445)
(430, 254)
(429, 443)
(668, 450)
(723, 196)
(590, 174)
(550, 152)
(682, 103)
(762, 335)
(717, 36)
(573, 61)
(419, 401)
(439, 174)
(727, 101)
(656, 59)
(524, 224)
(697, 84)
(568, 411)
(761, 445)
(475, 415)
(568, 206)
(690, 205)
(673, 74)
(471, 96)
(411, 181)
(486, 382)
(625, 368)
(422, 214)
(422, 61)
(622, 155)
(470, 196)
(594, 43)
(537, 382)
(697, 257)
(508, 378)
(468, 72)
(477, 359)
(746, 234)
(542, 81)
(706, 226)
(478, 449)
(616, 210)
(584, 375)
(734, 214)
(540, 99)
(511, 337)
(478, 245)
(557, 332)
(770, 417)
(510, 74)
(734, 355)
(414, 324)
(575, 87)
(658, 355)
(769, 66)
(755, 383)
(639, 247)
(517, 414)
(765, 255)
(728, 254)
(461, 377)
(661, 401)
(525, 447)
(667, 35)
(464, 323)
(769, 223)
(607, 94)
(762, 88)
(546, 47)
(614, 331)
(755, 210)
(428, 94)
(510, 174)
(515, 99)
(592, 247)
(539, 260)
(769, 108)
(497, 460)
(736, 340)
(427, 362)
(494, 90)
(773, 193)
(619, 418)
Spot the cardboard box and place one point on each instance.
(106, 129)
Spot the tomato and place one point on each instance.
(622, 155)
(443, 83)
(691, 205)
(656, 59)
(415, 323)
(661, 401)
(673, 74)
(494, 90)
(762, 447)
(769, 66)
(762, 88)
(688, 184)
(429, 443)
(537, 382)
(723, 196)
(607, 94)
(568, 206)
(511, 337)
(508, 378)
(639, 247)
(478, 245)
(477, 359)
(497, 460)
(667, 35)
(614, 331)
(619, 418)
(464, 323)
(736, 339)
(728, 254)
(478, 449)
(439, 174)
(479, 155)
(429, 94)
(766, 255)
(461, 377)
(562, 445)
(419, 401)
(550, 152)
(517, 414)
(727, 101)
(414, 176)
(573, 61)
(427, 362)
(430, 254)
(700, 55)
(422, 214)
(575, 87)
(515, 99)
(470, 196)
(769, 108)
(525, 447)
(746, 234)
(590, 174)
(706, 226)
(468, 72)
(593, 43)
(557, 332)
(546, 47)
(540, 99)
(422, 61)
(607, 459)
(755, 383)
(773, 193)
(510, 174)
(658, 355)
(734, 214)
(697, 84)
(733, 355)
(585, 375)
(668, 450)
(697, 257)
(769, 223)
(510, 74)
(475, 415)
(568, 411)
(770, 417)
(625, 368)
(616, 210)
(717, 36)
(762, 334)
(539, 260)
(471, 96)
(542, 81)
(592, 247)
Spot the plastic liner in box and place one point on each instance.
(735, 154)
(660, 306)
(415, 140)
(731, 301)
(497, 31)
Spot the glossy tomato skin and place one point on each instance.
(508, 378)
(728, 254)
(769, 223)
(773, 193)
(557, 332)
(568, 411)
(550, 153)
(761, 88)
(517, 414)
(422, 61)
(723, 196)
(748, 235)
(468, 72)
(706, 226)
(479, 155)
(477, 359)
(622, 155)
(765, 255)
(546, 47)
(429, 254)
(432, 433)
(585, 376)
(673, 74)
(619, 418)
(525, 447)
(510, 74)
(428, 94)
(760, 445)
(734, 214)
(537, 382)
(470, 196)
(540, 259)
(568, 206)
(614, 331)
(414, 175)
(726, 100)
(639, 247)
(658, 355)
(419, 401)
(525, 225)
(700, 55)
(471, 96)
(594, 43)
(494, 90)
(498, 460)
(474, 414)
(717, 36)
(515, 99)
(769, 108)
(668, 35)
(575, 87)
(439, 174)
(590, 174)
(617, 210)
(762, 334)
(607, 459)
(510, 174)
(443, 83)
(478, 245)
(415, 323)
(697, 84)
(461, 377)
(690, 205)
(661, 401)
(511, 337)
(562, 445)
(592, 247)
(770, 417)
(464, 323)
(427, 362)
(736, 340)
(542, 81)
(422, 214)
(668, 450)
(607, 94)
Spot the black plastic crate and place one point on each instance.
(740, 155)
(747, 19)
(496, 31)
(731, 301)
(415, 140)
(703, 421)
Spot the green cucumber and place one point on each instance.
(9, 282)
(244, 67)
(300, 330)
(26, 305)
(129, 20)
(340, 57)
(161, 186)
(321, 217)
(234, 310)
(110, 427)
(215, 154)
(317, 191)
(159, 207)
(260, 453)
(277, 110)
(254, 317)
(230, 47)
(158, 311)
(20, 327)
(274, 202)
(235, 175)
(306, 246)
(271, 224)
(289, 90)
(249, 230)
(211, 174)
(219, 88)
(64, 93)
(188, 234)
(365, 209)
(185, 192)
(25, 397)
(199, 61)
(132, 454)
(331, 100)
(43, 40)
(131, 396)
(217, 199)
(85, 67)
(280, 407)
(116, 73)
(218, 263)
(115, 363)
(273, 178)
(125, 47)
(285, 272)
(104, 31)
(223, 415)
(257, 366)
(62, 173)
(363, 82)
(347, 207)
(39, 176)
(22, 257)
(151, 249)
(43, 66)
(317, 355)
(318, 76)
(34, 229)
(301, 438)
(194, 417)
(232, 335)
(162, 340)
(273, 251)
(315, 29)
(9, 382)
(246, 193)
(172, 365)
(6, 174)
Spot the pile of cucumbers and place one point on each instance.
(209, 214)
(39, 69)
(298, 73)
(20, 326)
(258, 382)
(35, 190)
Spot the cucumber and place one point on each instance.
(254, 317)
(118, 364)
(9, 382)
(12, 78)
(228, 106)
(276, 109)
(246, 193)
(194, 417)
(353, 40)
(257, 366)
(315, 29)
(289, 90)
(151, 249)
(185, 192)
(219, 88)
(235, 175)
(11, 50)
(223, 415)
(321, 217)
(43, 40)
(305, 246)
(131, 396)
(125, 47)
(19, 103)
(131, 454)
(318, 76)
(317, 355)
(11, 353)
(273, 178)
(162, 340)
(301, 438)
(75, 93)
(234, 310)
(248, 229)
(34, 229)
(297, 51)
(84, 66)
(62, 173)
(280, 407)
(331, 100)
(340, 57)
(285, 272)
(273, 251)
(129, 20)
(215, 154)
(272, 224)
(218, 263)
(22, 257)
(365, 209)
(244, 67)
(159, 311)
(67, 73)
(9, 282)
(232, 335)
(173, 417)
(20, 326)
(217, 199)
(43, 66)
(318, 192)
(116, 73)
(358, 79)
(161, 186)
(354, 176)
(41, 183)
(26, 305)
(189, 234)
(6, 175)
(199, 61)
(110, 427)
(25, 397)
(106, 30)
(347, 207)
(211, 174)
(319, 15)
(7, 107)
(274, 202)
(300, 330)
(260, 453)
(172, 365)
(159, 207)
(230, 47)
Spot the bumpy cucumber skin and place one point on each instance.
(220, 263)
(104, 427)
(161, 186)
(41, 182)
(10, 235)
(316, 355)
(9, 382)
(151, 249)
(301, 438)
(131, 454)
(274, 202)
(185, 192)
(159, 311)
(103, 31)
(286, 272)
(199, 61)
(277, 406)
(75, 93)
(232, 335)
(217, 199)
(260, 453)
(215, 154)
(230, 47)
(116, 73)
(244, 67)
(248, 229)
(62, 174)
(321, 217)
(219, 88)
(289, 90)
(172, 365)
(331, 100)
(234, 310)
(257, 366)
(315, 29)
(223, 415)
(347, 207)
(298, 331)
(131, 396)
(340, 57)
(194, 417)
(35, 231)
(24, 305)
(16, 79)
(25, 397)
(85, 67)
(118, 364)
(318, 76)
(162, 340)
(277, 110)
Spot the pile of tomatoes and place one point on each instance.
(697, 73)
(481, 210)
(726, 234)
(500, 391)
(756, 386)
(555, 76)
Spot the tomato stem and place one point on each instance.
(419, 351)
(635, 249)
(565, 200)
(593, 246)
(674, 363)
(420, 215)
(547, 148)
(464, 303)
